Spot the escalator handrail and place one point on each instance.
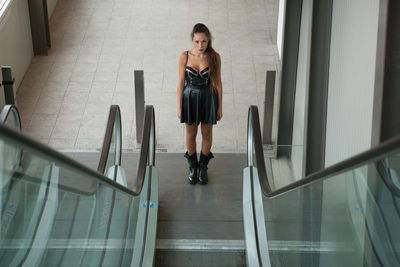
(254, 146)
(5, 113)
(254, 143)
(49, 152)
(114, 119)
(147, 151)
(146, 158)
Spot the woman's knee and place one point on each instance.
(191, 132)
(191, 136)
(206, 133)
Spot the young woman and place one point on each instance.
(199, 99)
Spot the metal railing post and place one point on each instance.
(139, 103)
(269, 106)
(8, 84)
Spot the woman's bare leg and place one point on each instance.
(206, 133)
(191, 133)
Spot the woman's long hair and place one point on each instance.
(210, 52)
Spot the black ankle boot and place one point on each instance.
(193, 166)
(203, 162)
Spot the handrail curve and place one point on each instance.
(114, 121)
(50, 154)
(147, 155)
(254, 143)
(5, 113)
(147, 150)
(255, 152)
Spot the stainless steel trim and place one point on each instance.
(151, 231)
(141, 225)
(252, 257)
(201, 244)
(263, 248)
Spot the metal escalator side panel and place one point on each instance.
(252, 257)
(151, 234)
(140, 235)
(260, 220)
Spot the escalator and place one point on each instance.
(58, 212)
(344, 215)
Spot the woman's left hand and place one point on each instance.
(219, 114)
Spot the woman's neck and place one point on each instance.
(200, 55)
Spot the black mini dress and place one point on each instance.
(199, 103)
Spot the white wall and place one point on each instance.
(281, 26)
(16, 41)
(350, 105)
(16, 48)
(351, 78)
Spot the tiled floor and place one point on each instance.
(97, 45)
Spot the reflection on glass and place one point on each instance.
(115, 146)
(281, 170)
(11, 117)
(55, 215)
(350, 219)
(11, 154)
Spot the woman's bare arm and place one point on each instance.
(181, 81)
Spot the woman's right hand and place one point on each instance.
(179, 113)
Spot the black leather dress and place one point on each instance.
(199, 103)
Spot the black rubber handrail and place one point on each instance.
(114, 121)
(5, 114)
(255, 147)
(147, 154)
(147, 150)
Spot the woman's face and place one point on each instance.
(200, 42)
